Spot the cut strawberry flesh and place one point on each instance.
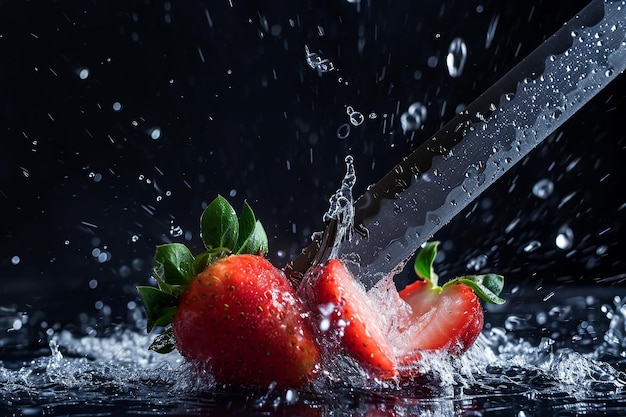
(338, 296)
(387, 331)
(444, 319)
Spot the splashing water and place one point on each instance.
(504, 370)
(341, 206)
(316, 62)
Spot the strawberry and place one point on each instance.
(229, 308)
(446, 318)
(430, 318)
(339, 298)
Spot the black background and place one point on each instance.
(242, 114)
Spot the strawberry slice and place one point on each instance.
(422, 317)
(228, 308)
(345, 311)
(447, 318)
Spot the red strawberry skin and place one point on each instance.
(242, 317)
(443, 319)
(352, 315)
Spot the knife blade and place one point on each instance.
(422, 193)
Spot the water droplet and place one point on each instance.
(543, 188)
(83, 73)
(410, 122)
(117, 106)
(176, 231)
(565, 238)
(155, 133)
(343, 131)
(17, 324)
(477, 263)
(316, 62)
(103, 257)
(532, 246)
(134, 238)
(95, 176)
(356, 118)
(457, 55)
(15, 260)
(418, 109)
(491, 30)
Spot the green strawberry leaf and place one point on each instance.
(172, 265)
(160, 306)
(247, 223)
(487, 287)
(219, 226)
(424, 262)
(163, 343)
(256, 242)
(206, 258)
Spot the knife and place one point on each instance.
(380, 232)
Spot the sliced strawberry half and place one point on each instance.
(446, 318)
(388, 333)
(345, 312)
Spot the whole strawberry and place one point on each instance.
(229, 308)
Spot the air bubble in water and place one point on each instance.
(457, 55)
(543, 188)
(565, 238)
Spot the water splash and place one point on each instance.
(341, 206)
(317, 62)
(108, 373)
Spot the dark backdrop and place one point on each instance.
(119, 119)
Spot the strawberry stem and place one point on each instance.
(487, 287)
(424, 262)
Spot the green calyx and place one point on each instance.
(487, 287)
(173, 265)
